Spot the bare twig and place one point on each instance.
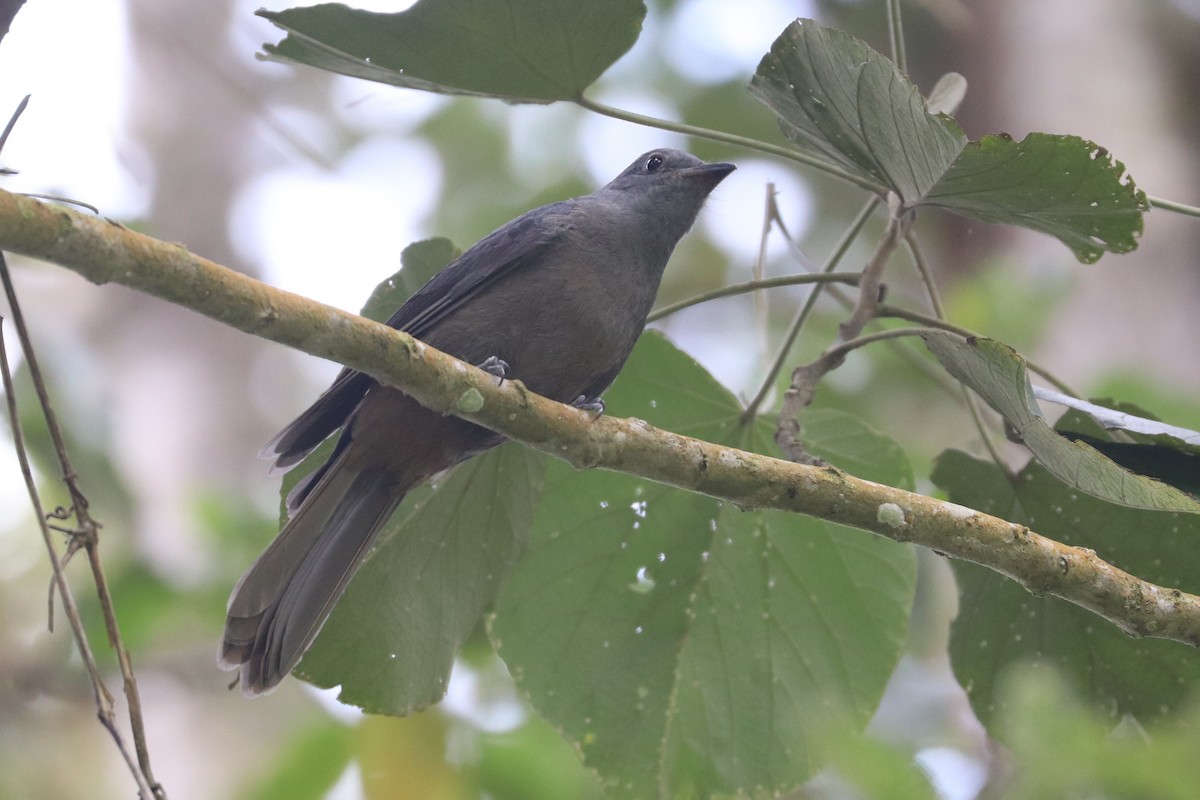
(872, 278)
(835, 258)
(84, 535)
(935, 300)
(848, 278)
(104, 702)
(805, 378)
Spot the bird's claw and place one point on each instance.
(496, 367)
(595, 405)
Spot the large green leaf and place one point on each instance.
(535, 51)
(846, 104)
(1000, 623)
(842, 101)
(684, 646)
(419, 262)
(391, 640)
(1065, 186)
(999, 376)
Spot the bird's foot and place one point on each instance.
(496, 367)
(595, 405)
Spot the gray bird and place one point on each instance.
(556, 298)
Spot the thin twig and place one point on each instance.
(917, 253)
(896, 35)
(872, 279)
(848, 278)
(104, 701)
(805, 378)
(835, 258)
(12, 121)
(761, 308)
(84, 535)
(730, 138)
(939, 310)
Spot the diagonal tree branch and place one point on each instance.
(103, 251)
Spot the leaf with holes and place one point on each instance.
(1065, 186)
(847, 105)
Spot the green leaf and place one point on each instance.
(875, 768)
(308, 765)
(849, 443)
(686, 647)
(1068, 749)
(391, 639)
(999, 376)
(536, 51)
(419, 262)
(841, 101)
(1000, 623)
(1065, 186)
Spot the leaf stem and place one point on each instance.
(896, 312)
(896, 35)
(849, 278)
(728, 138)
(1171, 205)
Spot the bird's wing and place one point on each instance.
(505, 250)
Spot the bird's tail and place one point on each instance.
(280, 604)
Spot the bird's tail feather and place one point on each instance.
(280, 604)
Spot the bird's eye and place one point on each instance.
(654, 162)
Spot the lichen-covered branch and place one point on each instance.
(104, 251)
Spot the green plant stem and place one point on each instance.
(838, 352)
(896, 312)
(896, 35)
(918, 256)
(831, 263)
(1171, 205)
(729, 138)
(913, 243)
(849, 278)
